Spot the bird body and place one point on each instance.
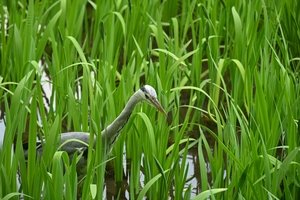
(111, 133)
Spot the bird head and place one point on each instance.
(149, 95)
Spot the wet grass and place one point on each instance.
(238, 63)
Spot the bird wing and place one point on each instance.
(74, 141)
(69, 142)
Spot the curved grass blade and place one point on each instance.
(15, 194)
(207, 193)
(149, 184)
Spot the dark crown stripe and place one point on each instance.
(143, 88)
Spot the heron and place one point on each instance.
(110, 134)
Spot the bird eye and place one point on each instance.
(147, 96)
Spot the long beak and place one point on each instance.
(157, 105)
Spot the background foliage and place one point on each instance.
(231, 63)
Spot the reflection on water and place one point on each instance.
(2, 126)
(194, 171)
(113, 189)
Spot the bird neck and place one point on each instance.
(111, 133)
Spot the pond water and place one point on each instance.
(2, 128)
(112, 188)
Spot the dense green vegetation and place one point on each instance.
(236, 61)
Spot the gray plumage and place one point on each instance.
(111, 133)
